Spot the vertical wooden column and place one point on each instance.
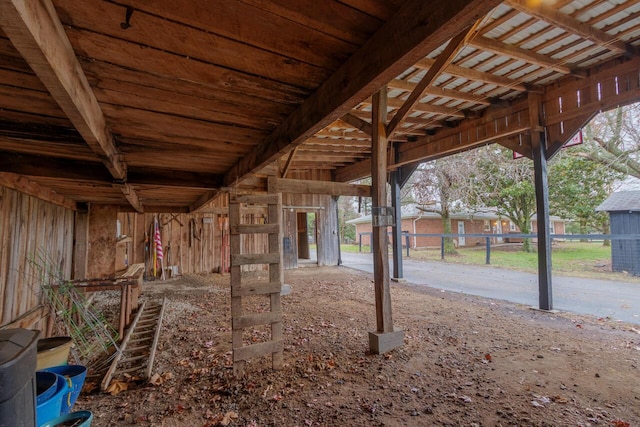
(271, 288)
(538, 146)
(102, 240)
(385, 338)
(81, 245)
(396, 230)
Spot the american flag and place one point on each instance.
(157, 240)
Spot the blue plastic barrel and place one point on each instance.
(75, 375)
(46, 385)
(50, 408)
(82, 417)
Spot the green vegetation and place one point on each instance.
(570, 258)
(354, 248)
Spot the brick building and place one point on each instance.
(419, 222)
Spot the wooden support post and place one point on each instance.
(538, 145)
(385, 338)
(81, 245)
(397, 223)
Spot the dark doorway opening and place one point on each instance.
(307, 238)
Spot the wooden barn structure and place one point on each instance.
(119, 111)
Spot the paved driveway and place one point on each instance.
(600, 298)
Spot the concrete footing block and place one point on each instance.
(285, 290)
(554, 311)
(383, 342)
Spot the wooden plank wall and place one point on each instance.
(192, 242)
(31, 230)
(196, 240)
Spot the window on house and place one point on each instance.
(512, 226)
(487, 225)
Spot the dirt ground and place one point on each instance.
(466, 361)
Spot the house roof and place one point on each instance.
(411, 211)
(621, 201)
(164, 105)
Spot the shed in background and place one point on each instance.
(624, 214)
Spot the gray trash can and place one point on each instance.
(18, 353)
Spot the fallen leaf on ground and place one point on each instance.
(156, 379)
(228, 417)
(116, 387)
(559, 399)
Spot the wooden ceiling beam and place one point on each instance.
(410, 34)
(303, 186)
(334, 133)
(444, 59)
(573, 25)
(24, 185)
(343, 142)
(56, 167)
(495, 125)
(37, 33)
(131, 196)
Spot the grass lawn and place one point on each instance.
(569, 258)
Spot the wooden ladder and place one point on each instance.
(242, 287)
(138, 348)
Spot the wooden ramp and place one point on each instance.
(269, 288)
(138, 348)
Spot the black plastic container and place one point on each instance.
(18, 354)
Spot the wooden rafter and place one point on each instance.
(440, 92)
(131, 196)
(287, 165)
(423, 107)
(443, 60)
(37, 33)
(357, 123)
(572, 25)
(500, 123)
(528, 56)
(302, 186)
(475, 75)
(417, 28)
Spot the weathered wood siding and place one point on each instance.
(191, 242)
(32, 232)
(324, 207)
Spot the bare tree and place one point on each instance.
(612, 139)
(441, 186)
(506, 186)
